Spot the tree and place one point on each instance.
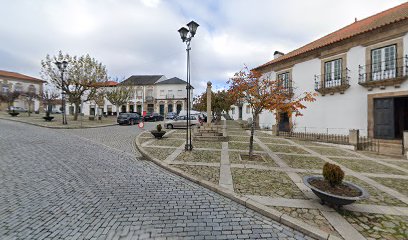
(262, 93)
(99, 99)
(29, 97)
(9, 97)
(47, 99)
(220, 101)
(80, 77)
(119, 95)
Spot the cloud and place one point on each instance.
(140, 37)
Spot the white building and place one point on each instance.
(11, 81)
(359, 73)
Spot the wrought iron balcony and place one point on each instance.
(387, 73)
(170, 96)
(332, 82)
(149, 99)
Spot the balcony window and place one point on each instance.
(284, 79)
(161, 92)
(18, 87)
(5, 87)
(383, 63)
(332, 73)
(139, 93)
(31, 89)
(180, 92)
(149, 93)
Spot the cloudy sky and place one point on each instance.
(134, 37)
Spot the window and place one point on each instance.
(383, 62)
(139, 93)
(149, 92)
(18, 87)
(31, 89)
(5, 87)
(248, 109)
(232, 111)
(332, 73)
(180, 92)
(161, 92)
(284, 79)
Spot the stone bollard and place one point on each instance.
(275, 130)
(353, 138)
(405, 143)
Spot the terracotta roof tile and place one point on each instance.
(381, 19)
(106, 84)
(18, 76)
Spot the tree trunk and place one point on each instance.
(29, 108)
(117, 110)
(76, 111)
(277, 123)
(251, 139)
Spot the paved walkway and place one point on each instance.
(56, 185)
(277, 181)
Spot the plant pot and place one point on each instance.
(332, 199)
(157, 134)
(13, 114)
(48, 119)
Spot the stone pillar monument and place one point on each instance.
(209, 115)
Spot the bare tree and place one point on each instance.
(29, 98)
(9, 97)
(47, 99)
(119, 95)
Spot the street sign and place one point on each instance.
(141, 125)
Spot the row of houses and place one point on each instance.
(359, 73)
(150, 93)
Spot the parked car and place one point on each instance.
(56, 111)
(181, 122)
(171, 115)
(18, 109)
(128, 118)
(153, 117)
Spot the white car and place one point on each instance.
(181, 122)
(18, 109)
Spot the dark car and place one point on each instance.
(171, 115)
(128, 118)
(153, 117)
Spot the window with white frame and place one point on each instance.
(383, 62)
(149, 92)
(332, 73)
(170, 94)
(161, 92)
(18, 87)
(139, 92)
(248, 109)
(31, 88)
(5, 87)
(180, 92)
(232, 111)
(284, 79)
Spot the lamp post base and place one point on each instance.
(188, 147)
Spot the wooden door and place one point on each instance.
(384, 123)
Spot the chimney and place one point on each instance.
(277, 54)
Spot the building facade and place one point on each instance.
(359, 73)
(11, 81)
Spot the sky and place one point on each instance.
(137, 37)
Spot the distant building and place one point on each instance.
(12, 81)
(156, 93)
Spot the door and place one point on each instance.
(178, 108)
(139, 109)
(131, 108)
(162, 109)
(170, 108)
(123, 108)
(240, 112)
(284, 122)
(384, 118)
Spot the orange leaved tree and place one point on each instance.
(262, 93)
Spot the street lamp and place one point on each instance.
(62, 66)
(186, 35)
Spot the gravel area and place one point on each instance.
(264, 183)
(303, 161)
(205, 144)
(239, 138)
(366, 166)
(159, 153)
(235, 159)
(285, 149)
(200, 156)
(168, 142)
(243, 146)
(401, 185)
(331, 151)
(272, 139)
(211, 174)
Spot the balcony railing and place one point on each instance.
(287, 86)
(332, 82)
(170, 96)
(386, 73)
(149, 99)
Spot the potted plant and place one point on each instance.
(47, 117)
(13, 113)
(158, 133)
(331, 188)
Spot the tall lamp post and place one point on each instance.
(62, 66)
(186, 35)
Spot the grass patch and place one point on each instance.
(366, 166)
(243, 146)
(303, 162)
(235, 159)
(167, 142)
(159, 153)
(211, 174)
(401, 185)
(239, 138)
(331, 151)
(286, 149)
(205, 144)
(200, 156)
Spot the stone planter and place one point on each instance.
(157, 134)
(48, 118)
(335, 200)
(13, 114)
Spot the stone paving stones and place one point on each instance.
(243, 146)
(211, 174)
(168, 142)
(332, 151)
(366, 166)
(272, 139)
(159, 153)
(400, 185)
(311, 216)
(239, 138)
(378, 226)
(264, 183)
(376, 196)
(235, 159)
(303, 161)
(205, 144)
(285, 149)
(200, 156)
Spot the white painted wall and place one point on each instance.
(24, 88)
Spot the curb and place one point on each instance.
(249, 203)
(55, 127)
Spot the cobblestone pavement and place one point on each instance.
(55, 185)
